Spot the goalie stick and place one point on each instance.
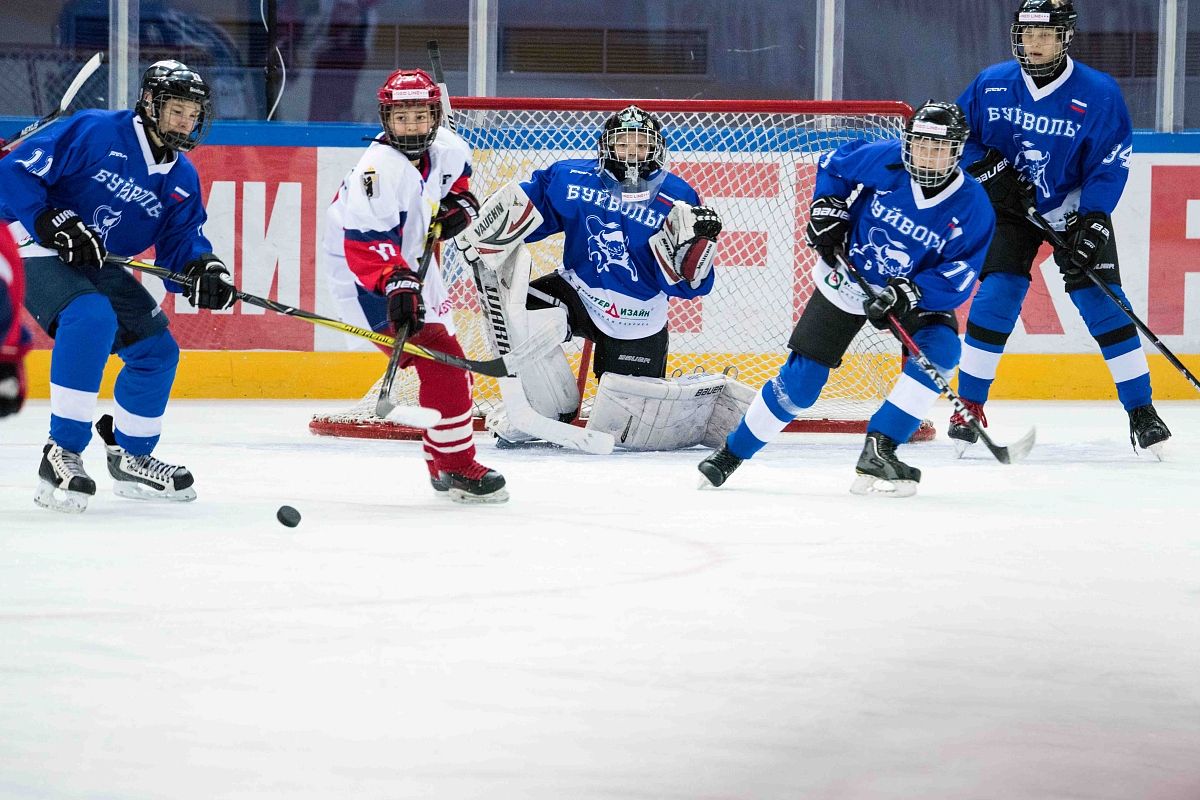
(1055, 238)
(1005, 455)
(502, 367)
(439, 77)
(81, 77)
(412, 416)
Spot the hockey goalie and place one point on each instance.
(634, 235)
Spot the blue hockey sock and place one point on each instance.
(142, 391)
(1119, 343)
(994, 313)
(780, 400)
(82, 341)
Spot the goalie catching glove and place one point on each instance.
(687, 244)
(404, 305)
(899, 297)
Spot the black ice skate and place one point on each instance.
(717, 468)
(881, 473)
(962, 434)
(1147, 430)
(63, 484)
(475, 484)
(143, 477)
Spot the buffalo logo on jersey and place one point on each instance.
(104, 220)
(1033, 162)
(606, 246)
(887, 255)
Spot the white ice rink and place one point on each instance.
(1026, 632)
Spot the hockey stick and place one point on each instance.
(85, 72)
(413, 416)
(1055, 238)
(502, 367)
(439, 77)
(1005, 455)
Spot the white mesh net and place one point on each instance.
(755, 162)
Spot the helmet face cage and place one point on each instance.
(170, 80)
(1056, 17)
(637, 132)
(415, 144)
(933, 143)
(410, 88)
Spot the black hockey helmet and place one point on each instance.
(645, 128)
(1056, 15)
(938, 122)
(174, 80)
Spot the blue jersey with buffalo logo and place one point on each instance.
(937, 242)
(606, 251)
(1071, 138)
(99, 165)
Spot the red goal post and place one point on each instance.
(753, 160)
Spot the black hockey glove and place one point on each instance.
(899, 297)
(707, 225)
(405, 307)
(459, 209)
(208, 283)
(1007, 187)
(1087, 236)
(828, 225)
(12, 387)
(76, 243)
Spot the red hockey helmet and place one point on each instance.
(410, 88)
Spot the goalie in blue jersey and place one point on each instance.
(1049, 131)
(116, 182)
(917, 228)
(634, 235)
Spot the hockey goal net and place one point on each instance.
(755, 161)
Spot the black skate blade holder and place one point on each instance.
(1009, 454)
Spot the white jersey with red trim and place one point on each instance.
(381, 214)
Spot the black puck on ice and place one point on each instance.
(288, 516)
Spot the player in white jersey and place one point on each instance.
(14, 339)
(415, 173)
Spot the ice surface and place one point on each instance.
(1013, 632)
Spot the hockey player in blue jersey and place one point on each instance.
(115, 182)
(1049, 130)
(917, 230)
(634, 236)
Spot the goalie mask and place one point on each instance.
(632, 151)
(933, 142)
(418, 98)
(1041, 34)
(176, 104)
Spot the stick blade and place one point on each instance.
(411, 416)
(1015, 451)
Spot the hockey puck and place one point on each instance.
(288, 516)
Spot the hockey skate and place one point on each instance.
(717, 468)
(881, 473)
(962, 434)
(64, 484)
(475, 484)
(1147, 431)
(143, 477)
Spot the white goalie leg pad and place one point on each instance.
(549, 383)
(731, 406)
(653, 413)
(505, 219)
